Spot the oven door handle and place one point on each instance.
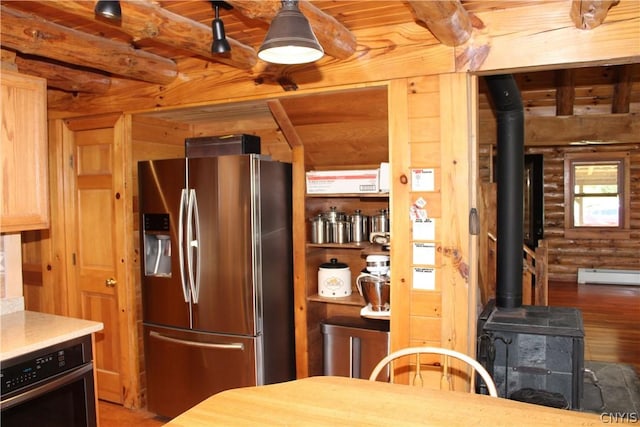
(49, 385)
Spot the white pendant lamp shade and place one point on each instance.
(290, 39)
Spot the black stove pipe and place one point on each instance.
(505, 97)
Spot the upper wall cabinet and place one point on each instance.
(23, 153)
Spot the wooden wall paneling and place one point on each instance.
(425, 128)
(33, 288)
(425, 151)
(47, 254)
(425, 328)
(400, 163)
(487, 208)
(459, 278)
(427, 154)
(44, 254)
(427, 304)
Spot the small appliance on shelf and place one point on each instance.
(374, 284)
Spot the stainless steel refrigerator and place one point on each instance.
(217, 276)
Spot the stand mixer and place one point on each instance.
(374, 284)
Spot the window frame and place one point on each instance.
(621, 231)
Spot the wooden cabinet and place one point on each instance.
(354, 255)
(23, 153)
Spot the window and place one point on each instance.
(596, 194)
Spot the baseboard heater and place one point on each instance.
(608, 276)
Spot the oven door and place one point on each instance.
(67, 400)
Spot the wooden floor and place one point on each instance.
(113, 415)
(611, 316)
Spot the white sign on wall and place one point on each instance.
(424, 253)
(423, 180)
(424, 229)
(424, 278)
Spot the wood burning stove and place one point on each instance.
(534, 347)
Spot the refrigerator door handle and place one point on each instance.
(226, 346)
(183, 280)
(193, 236)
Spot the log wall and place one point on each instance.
(566, 255)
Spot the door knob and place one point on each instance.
(110, 282)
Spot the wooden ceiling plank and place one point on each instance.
(29, 34)
(335, 38)
(63, 77)
(565, 92)
(622, 90)
(446, 19)
(588, 14)
(142, 20)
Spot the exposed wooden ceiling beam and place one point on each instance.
(553, 130)
(335, 38)
(284, 123)
(63, 77)
(447, 20)
(588, 14)
(565, 92)
(622, 89)
(29, 34)
(142, 20)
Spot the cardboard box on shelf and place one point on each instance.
(343, 181)
(384, 177)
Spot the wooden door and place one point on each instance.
(95, 216)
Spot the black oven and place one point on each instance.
(50, 387)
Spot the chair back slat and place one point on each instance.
(445, 363)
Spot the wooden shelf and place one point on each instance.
(353, 299)
(351, 195)
(366, 247)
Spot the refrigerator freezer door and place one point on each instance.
(161, 184)
(184, 368)
(226, 245)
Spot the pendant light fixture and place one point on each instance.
(220, 43)
(109, 9)
(290, 39)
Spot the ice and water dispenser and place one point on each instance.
(157, 245)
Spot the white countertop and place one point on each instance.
(24, 331)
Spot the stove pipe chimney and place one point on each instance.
(507, 103)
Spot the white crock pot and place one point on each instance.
(334, 279)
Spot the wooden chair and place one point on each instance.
(444, 379)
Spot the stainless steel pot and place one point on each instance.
(359, 227)
(319, 230)
(380, 222)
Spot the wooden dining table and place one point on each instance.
(342, 401)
